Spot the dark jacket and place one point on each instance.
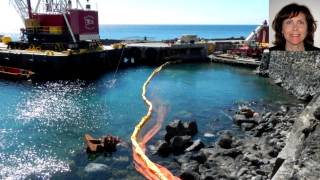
(307, 47)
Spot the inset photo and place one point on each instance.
(294, 25)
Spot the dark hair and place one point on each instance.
(289, 11)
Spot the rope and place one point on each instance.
(155, 169)
(114, 75)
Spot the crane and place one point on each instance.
(57, 21)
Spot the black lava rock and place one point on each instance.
(225, 141)
(316, 113)
(190, 175)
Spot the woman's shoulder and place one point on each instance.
(309, 47)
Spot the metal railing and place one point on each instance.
(54, 30)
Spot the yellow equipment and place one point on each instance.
(6, 39)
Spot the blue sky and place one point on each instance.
(185, 11)
(162, 12)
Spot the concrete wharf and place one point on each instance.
(84, 63)
(159, 52)
(249, 62)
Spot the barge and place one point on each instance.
(60, 65)
(60, 40)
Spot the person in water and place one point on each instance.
(294, 28)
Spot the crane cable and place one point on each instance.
(117, 68)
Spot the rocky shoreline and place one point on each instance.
(278, 143)
(281, 144)
(231, 157)
(297, 72)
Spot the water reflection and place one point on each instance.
(42, 125)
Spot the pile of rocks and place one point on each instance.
(298, 72)
(251, 157)
(178, 139)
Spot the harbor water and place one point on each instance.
(42, 124)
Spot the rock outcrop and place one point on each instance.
(300, 158)
(297, 72)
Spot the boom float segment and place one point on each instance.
(143, 164)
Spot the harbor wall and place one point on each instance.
(299, 159)
(90, 64)
(299, 73)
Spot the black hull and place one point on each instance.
(83, 66)
(92, 64)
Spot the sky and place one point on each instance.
(160, 12)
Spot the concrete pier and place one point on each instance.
(249, 62)
(85, 63)
(159, 52)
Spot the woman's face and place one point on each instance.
(295, 29)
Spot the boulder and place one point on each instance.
(225, 141)
(316, 113)
(247, 112)
(191, 128)
(241, 118)
(200, 157)
(196, 146)
(175, 128)
(180, 143)
(278, 81)
(163, 148)
(189, 175)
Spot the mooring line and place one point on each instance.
(117, 68)
(152, 169)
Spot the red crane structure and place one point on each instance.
(63, 22)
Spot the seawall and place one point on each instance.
(90, 63)
(299, 73)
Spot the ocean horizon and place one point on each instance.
(165, 31)
(171, 31)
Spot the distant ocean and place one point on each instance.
(162, 32)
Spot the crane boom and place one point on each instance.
(22, 8)
(29, 9)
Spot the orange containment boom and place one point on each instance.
(143, 164)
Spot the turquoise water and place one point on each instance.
(42, 124)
